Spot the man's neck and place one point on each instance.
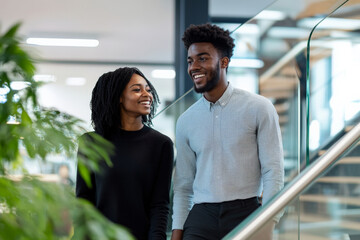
(216, 93)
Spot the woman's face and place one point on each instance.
(136, 98)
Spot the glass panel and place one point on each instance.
(270, 59)
(165, 119)
(330, 207)
(334, 107)
(334, 85)
(165, 122)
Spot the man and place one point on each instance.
(229, 147)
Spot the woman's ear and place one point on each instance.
(225, 62)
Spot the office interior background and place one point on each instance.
(269, 59)
(129, 33)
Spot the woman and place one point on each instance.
(134, 192)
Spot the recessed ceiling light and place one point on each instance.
(158, 73)
(330, 23)
(271, 15)
(246, 63)
(44, 78)
(248, 29)
(75, 81)
(288, 32)
(63, 42)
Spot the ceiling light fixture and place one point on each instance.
(246, 63)
(44, 78)
(288, 32)
(75, 81)
(270, 15)
(159, 73)
(248, 29)
(63, 42)
(330, 23)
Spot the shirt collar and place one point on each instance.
(223, 100)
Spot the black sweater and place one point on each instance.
(135, 191)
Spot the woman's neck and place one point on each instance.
(131, 124)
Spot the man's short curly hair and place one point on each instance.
(213, 34)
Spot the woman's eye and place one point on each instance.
(136, 89)
(149, 90)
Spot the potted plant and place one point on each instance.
(31, 208)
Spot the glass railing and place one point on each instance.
(326, 103)
(321, 203)
(333, 85)
(165, 122)
(280, 43)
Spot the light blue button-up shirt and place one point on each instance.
(227, 150)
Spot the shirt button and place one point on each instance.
(217, 116)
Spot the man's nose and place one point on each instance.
(194, 66)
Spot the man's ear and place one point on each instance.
(225, 62)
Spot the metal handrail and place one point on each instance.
(295, 187)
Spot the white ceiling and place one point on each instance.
(135, 31)
(128, 31)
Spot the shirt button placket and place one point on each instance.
(218, 144)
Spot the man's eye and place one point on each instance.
(202, 59)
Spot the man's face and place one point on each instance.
(203, 66)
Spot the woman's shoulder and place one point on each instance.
(158, 136)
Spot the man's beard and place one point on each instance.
(211, 84)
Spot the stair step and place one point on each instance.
(345, 160)
(339, 223)
(332, 199)
(340, 179)
(294, 235)
(349, 160)
(282, 107)
(321, 152)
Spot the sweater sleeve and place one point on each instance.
(81, 189)
(185, 168)
(159, 209)
(270, 152)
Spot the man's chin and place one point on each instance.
(206, 88)
(199, 90)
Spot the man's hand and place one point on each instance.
(177, 234)
(266, 232)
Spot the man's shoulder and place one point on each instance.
(253, 98)
(193, 110)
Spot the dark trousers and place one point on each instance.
(212, 221)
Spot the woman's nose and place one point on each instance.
(146, 93)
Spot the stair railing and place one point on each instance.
(296, 186)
